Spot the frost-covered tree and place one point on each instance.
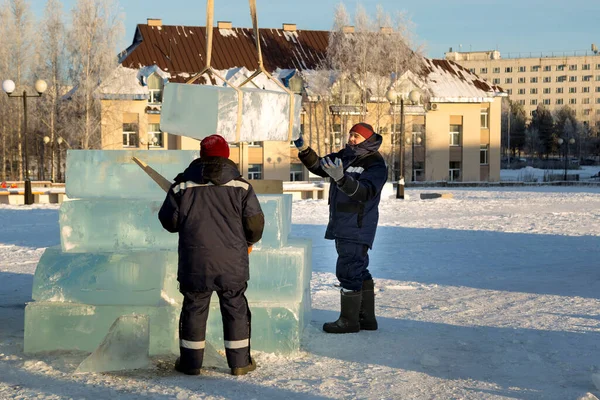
(52, 67)
(96, 29)
(20, 25)
(6, 132)
(544, 123)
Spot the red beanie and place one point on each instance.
(214, 146)
(363, 129)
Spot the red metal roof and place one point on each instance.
(182, 49)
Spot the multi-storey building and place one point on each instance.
(454, 134)
(551, 80)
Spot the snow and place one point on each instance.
(492, 294)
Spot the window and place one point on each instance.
(547, 68)
(547, 79)
(586, 78)
(560, 67)
(254, 171)
(559, 90)
(296, 172)
(454, 171)
(572, 90)
(472, 70)
(521, 69)
(419, 171)
(533, 91)
(587, 111)
(533, 102)
(597, 112)
(521, 102)
(585, 67)
(455, 135)
(572, 101)
(508, 80)
(559, 102)
(521, 91)
(484, 118)
(533, 79)
(562, 78)
(418, 134)
(483, 154)
(597, 66)
(534, 68)
(546, 102)
(483, 70)
(497, 70)
(597, 89)
(508, 70)
(130, 135)
(572, 79)
(598, 100)
(509, 91)
(255, 144)
(585, 101)
(573, 67)
(547, 90)
(522, 79)
(155, 136)
(155, 89)
(496, 81)
(597, 78)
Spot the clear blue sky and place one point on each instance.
(509, 25)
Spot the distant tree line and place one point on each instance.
(72, 52)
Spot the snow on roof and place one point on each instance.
(449, 82)
(123, 84)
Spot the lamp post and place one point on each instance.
(40, 87)
(414, 96)
(392, 96)
(567, 142)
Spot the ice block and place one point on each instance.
(111, 174)
(134, 278)
(150, 278)
(126, 346)
(49, 326)
(127, 225)
(198, 111)
(71, 326)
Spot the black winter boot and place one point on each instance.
(367, 307)
(348, 320)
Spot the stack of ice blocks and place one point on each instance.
(116, 259)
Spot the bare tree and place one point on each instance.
(5, 124)
(97, 27)
(52, 68)
(20, 57)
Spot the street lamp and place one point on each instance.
(567, 143)
(40, 87)
(414, 96)
(392, 96)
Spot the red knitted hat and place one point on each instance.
(214, 146)
(363, 129)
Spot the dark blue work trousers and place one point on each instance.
(352, 264)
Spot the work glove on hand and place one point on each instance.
(335, 169)
(300, 143)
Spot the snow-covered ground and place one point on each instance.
(493, 294)
(530, 174)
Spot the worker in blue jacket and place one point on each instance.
(218, 218)
(358, 173)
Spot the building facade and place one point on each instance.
(452, 133)
(551, 80)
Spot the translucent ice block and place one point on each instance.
(135, 278)
(126, 346)
(276, 328)
(266, 114)
(70, 326)
(111, 174)
(125, 225)
(198, 111)
(150, 278)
